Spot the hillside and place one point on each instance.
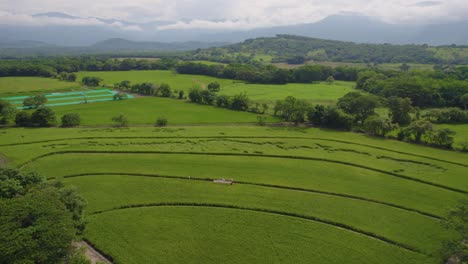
(297, 49)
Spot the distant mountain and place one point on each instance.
(13, 48)
(85, 31)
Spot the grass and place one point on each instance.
(144, 111)
(216, 235)
(33, 85)
(317, 93)
(176, 81)
(300, 194)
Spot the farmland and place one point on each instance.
(317, 93)
(299, 194)
(33, 85)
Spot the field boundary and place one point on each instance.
(270, 211)
(341, 195)
(246, 155)
(240, 137)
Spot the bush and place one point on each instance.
(43, 117)
(165, 90)
(222, 101)
(214, 87)
(120, 96)
(181, 94)
(71, 120)
(379, 126)
(161, 122)
(240, 102)
(120, 120)
(23, 119)
(261, 120)
(35, 101)
(195, 95)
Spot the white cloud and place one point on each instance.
(228, 14)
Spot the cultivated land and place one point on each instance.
(300, 195)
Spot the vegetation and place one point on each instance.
(71, 120)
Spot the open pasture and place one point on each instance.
(320, 93)
(33, 85)
(145, 111)
(299, 195)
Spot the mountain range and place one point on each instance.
(344, 27)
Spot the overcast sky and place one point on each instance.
(221, 14)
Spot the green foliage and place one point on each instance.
(120, 96)
(214, 87)
(120, 120)
(71, 120)
(359, 105)
(164, 90)
(91, 81)
(329, 116)
(447, 116)
(35, 101)
(7, 112)
(223, 101)
(69, 77)
(442, 137)
(181, 94)
(400, 109)
(195, 95)
(464, 100)
(43, 117)
(78, 257)
(330, 80)
(379, 126)
(292, 109)
(457, 221)
(14, 182)
(417, 129)
(23, 119)
(240, 102)
(261, 120)
(35, 228)
(161, 121)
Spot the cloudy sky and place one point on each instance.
(220, 14)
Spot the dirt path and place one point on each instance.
(91, 253)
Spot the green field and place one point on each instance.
(145, 111)
(301, 195)
(316, 93)
(32, 85)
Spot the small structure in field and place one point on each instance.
(224, 181)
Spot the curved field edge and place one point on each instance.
(275, 186)
(292, 173)
(162, 222)
(107, 192)
(240, 137)
(393, 174)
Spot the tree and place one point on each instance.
(120, 120)
(443, 137)
(43, 117)
(181, 94)
(333, 117)
(292, 109)
(379, 126)
(240, 102)
(195, 95)
(457, 221)
(120, 96)
(330, 80)
(464, 100)
(316, 114)
(35, 101)
(261, 120)
(35, 228)
(71, 120)
(208, 97)
(23, 119)
(13, 182)
(214, 87)
(222, 101)
(165, 90)
(359, 105)
(91, 81)
(161, 121)
(417, 129)
(400, 109)
(404, 67)
(7, 112)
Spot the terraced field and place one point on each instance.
(299, 195)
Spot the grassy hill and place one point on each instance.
(283, 48)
